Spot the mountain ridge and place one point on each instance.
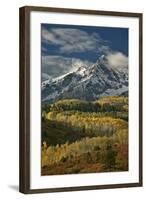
(87, 83)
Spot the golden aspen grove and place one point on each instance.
(81, 136)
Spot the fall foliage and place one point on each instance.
(83, 136)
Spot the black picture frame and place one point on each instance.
(24, 142)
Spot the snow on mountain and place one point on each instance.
(46, 82)
(87, 83)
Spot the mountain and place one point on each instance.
(87, 82)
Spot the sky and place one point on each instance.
(64, 45)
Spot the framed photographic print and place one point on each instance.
(80, 99)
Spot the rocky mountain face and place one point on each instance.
(88, 83)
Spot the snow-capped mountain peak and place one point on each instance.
(102, 58)
(81, 70)
(87, 82)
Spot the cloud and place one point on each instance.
(65, 41)
(70, 40)
(45, 76)
(117, 59)
(58, 65)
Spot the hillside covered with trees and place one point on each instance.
(81, 136)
